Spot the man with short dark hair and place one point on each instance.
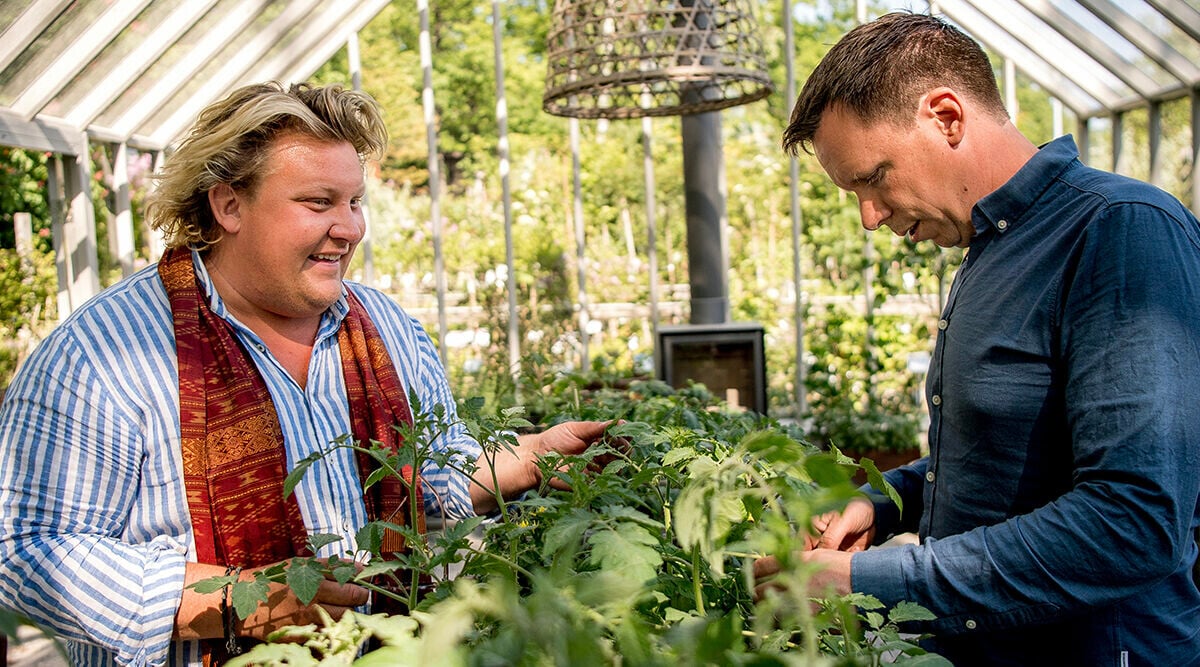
(1058, 503)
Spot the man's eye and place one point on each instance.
(356, 202)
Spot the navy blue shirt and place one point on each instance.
(1058, 505)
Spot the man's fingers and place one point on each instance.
(765, 567)
(832, 538)
(332, 594)
(336, 612)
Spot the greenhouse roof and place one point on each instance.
(138, 71)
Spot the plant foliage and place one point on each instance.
(646, 561)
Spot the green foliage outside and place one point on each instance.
(28, 282)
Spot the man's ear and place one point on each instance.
(226, 207)
(945, 109)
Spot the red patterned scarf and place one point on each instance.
(233, 456)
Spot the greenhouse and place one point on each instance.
(585, 209)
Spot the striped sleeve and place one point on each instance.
(74, 471)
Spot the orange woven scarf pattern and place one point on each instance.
(233, 453)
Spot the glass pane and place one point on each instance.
(112, 56)
(1142, 13)
(230, 53)
(1057, 50)
(54, 40)
(202, 33)
(1160, 25)
(10, 10)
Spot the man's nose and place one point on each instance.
(873, 213)
(350, 225)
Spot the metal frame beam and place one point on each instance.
(137, 62)
(76, 56)
(39, 134)
(250, 52)
(222, 33)
(318, 55)
(1093, 46)
(23, 31)
(990, 30)
(1081, 101)
(1156, 48)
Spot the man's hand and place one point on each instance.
(837, 536)
(831, 579)
(283, 608)
(517, 471)
(853, 529)
(569, 439)
(199, 614)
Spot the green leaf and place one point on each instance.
(905, 611)
(247, 595)
(344, 572)
(629, 550)
(679, 455)
(213, 584)
(463, 527)
(301, 467)
(319, 540)
(305, 577)
(826, 470)
(875, 479)
(632, 514)
(275, 654)
(373, 479)
(566, 532)
(378, 567)
(370, 537)
(773, 447)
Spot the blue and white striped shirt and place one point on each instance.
(94, 524)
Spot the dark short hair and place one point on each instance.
(880, 69)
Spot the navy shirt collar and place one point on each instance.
(1005, 208)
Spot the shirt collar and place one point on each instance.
(1005, 208)
(331, 319)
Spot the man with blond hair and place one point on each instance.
(144, 445)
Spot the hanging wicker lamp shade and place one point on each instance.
(634, 58)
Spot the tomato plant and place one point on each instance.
(647, 560)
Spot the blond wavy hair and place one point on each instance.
(229, 142)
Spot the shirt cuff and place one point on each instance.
(880, 573)
(162, 591)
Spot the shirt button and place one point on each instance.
(942, 324)
(260, 347)
(346, 525)
(936, 399)
(929, 477)
(971, 625)
(1002, 225)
